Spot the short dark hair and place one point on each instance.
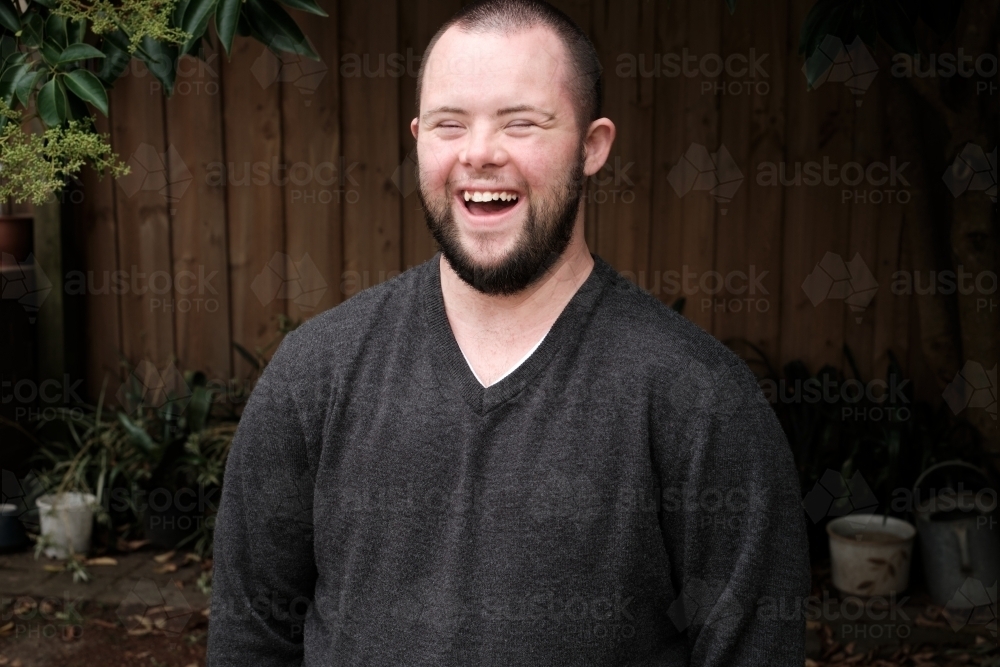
(512, 16)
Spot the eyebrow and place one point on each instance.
(501, 112)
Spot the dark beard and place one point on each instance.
(544, 238)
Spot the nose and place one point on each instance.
(482, 150)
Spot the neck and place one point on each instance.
(529, 313)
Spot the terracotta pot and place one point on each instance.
(16, 236)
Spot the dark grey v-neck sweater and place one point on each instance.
(624, 497)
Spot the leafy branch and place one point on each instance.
(58, 59)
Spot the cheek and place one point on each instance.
(435, 165)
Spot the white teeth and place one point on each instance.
(489, 196)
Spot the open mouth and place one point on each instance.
(489, 202)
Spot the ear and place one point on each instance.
(597, 145)
(414, 126)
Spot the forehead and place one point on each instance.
(529, 66)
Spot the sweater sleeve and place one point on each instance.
(732, 521)
(265, 573)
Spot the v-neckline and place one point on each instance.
(453, 370)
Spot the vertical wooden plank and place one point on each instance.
(255, 215)
(687, 126)
(819, 126)
(200, 255)
(752, 128)
(418, 21)
(370, 134)
(321, 182)
(102, 318)
(625, 29)
(141, 205)
(866, 200)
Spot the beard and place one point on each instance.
(543, 238)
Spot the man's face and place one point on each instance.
(500, 155)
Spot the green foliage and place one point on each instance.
(35, 165)
(893, 20)
(830, 425)
(58, 58)
(180, 439)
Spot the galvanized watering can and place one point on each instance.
(958, 530)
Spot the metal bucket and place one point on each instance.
(958, 535)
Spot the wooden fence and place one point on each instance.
(266, 187)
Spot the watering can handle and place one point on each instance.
(943, 464)
(962, 533)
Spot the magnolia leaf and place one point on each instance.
(75, 52)
(227, 14)
(53, 107)
(311, 7)
(9, 17)
(278, 30)
(88, 88)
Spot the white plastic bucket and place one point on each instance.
(869, 556)
(66, 522)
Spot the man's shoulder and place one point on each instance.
(369, 315)
(653, 329)
(674, 353)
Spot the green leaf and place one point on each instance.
(76, 31)
(32, 29)
(311, 6)
(9, 17)
(731, 4)
(115, 62)
(52, 103)
(88, 88)
(247, 355)
(75, 52)
(160, 59)
(9, 80)
(833, 23)
(227, 14)
(179, 9)
(26, 85)
(195, 20)
(137, 434)
(278, 30)
(896, 27)
(55, 30)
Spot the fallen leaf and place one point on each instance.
(103, 624)
(164, 569)
(103, 560)
(6, 630)
(178, 584)
(163, 558)
(4, 660)
(190, 557)
(54, 568)
(16, 662)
